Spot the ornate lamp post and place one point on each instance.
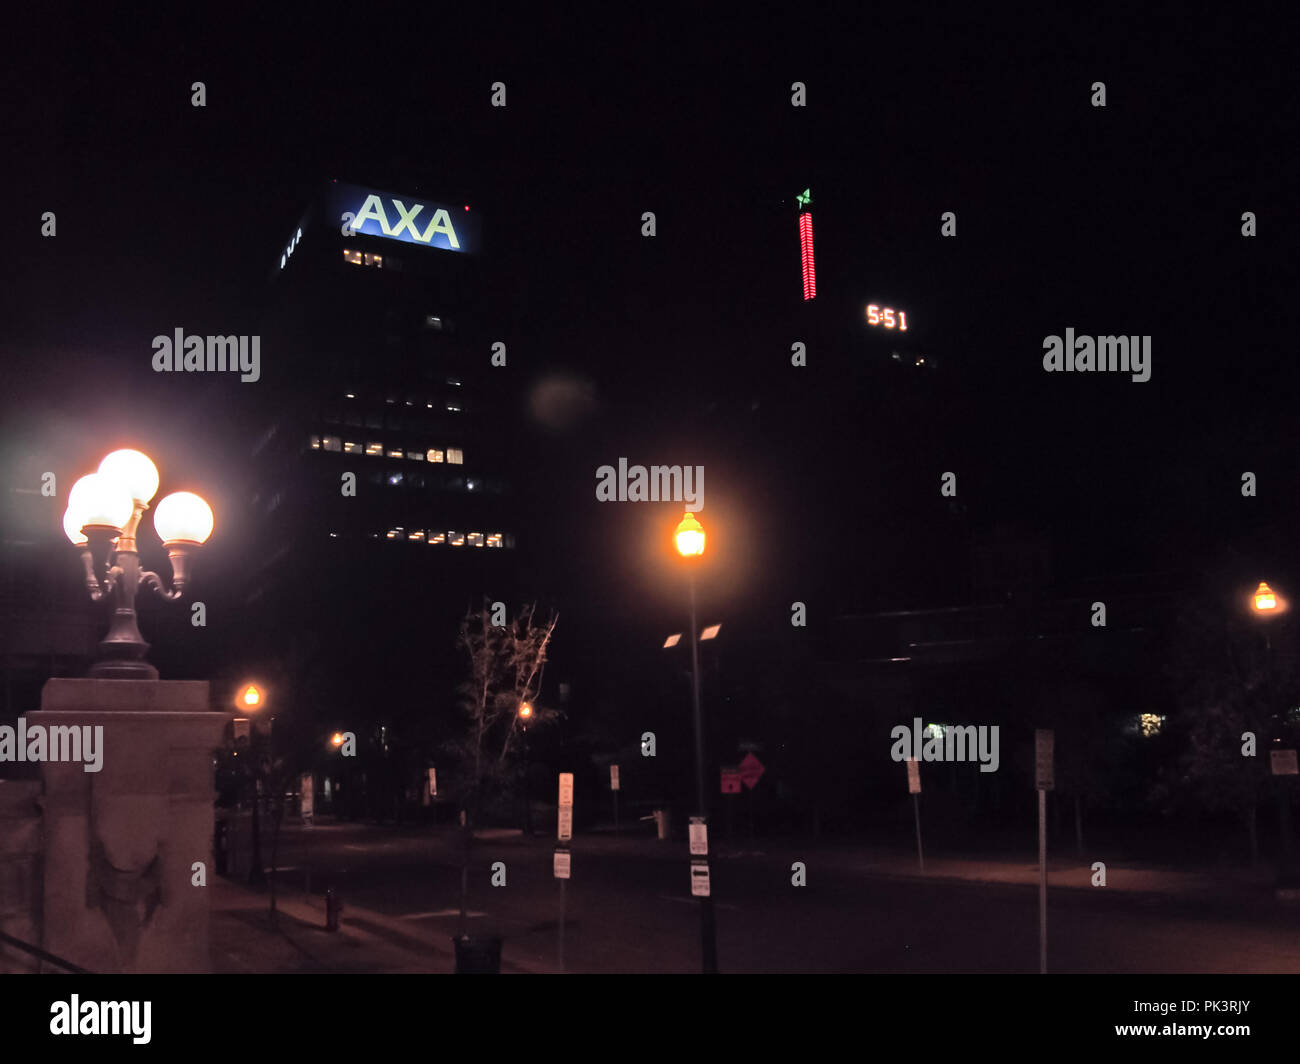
(103, 515)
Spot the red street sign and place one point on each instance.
(751, 770)
(731, 781)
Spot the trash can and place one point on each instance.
(477, 954)
(664, 822)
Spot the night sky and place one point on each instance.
(822, 481)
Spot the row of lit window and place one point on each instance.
(455, 539)
(421, 481)
(394, 420)
(358, 258)
(452, 455)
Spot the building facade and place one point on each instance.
(379, 501)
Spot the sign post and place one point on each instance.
(914, 789)
(613, 790)
(1044, 780)
(1283, 764)
(730, 785)
(307, 788)
(562, 865)
(751, 771)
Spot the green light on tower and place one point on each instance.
(804, 199)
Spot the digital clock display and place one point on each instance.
(886, 317)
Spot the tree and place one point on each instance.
(1232, 678)
(506, 663)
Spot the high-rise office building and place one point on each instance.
(379, 501)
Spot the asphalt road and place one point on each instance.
(629, 909)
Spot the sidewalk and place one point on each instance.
(1064, 872)
(243, 940)
(1233, 883)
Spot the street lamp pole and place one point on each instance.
(526, 715)
(1268, 604)
(690, 544)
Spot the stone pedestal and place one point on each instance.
(120, 844)
(20, 872)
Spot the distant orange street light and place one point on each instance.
(1264, 597)
(525, 710)
(337, 740)
(250, 697)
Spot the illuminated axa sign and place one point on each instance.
(399, 217)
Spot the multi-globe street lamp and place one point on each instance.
(689, 539)
(102, 518)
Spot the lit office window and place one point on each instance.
(334, 535)
(372, 259)
(476, 539)
(395, 480)
(456, 539)
(332, 443)
(434, 455)
(454, 408)
(349, 395)
(396, 533)
(438, 537)
(352, 448)
(315, 443)
(428, 406)
(417, 536)
(494, 540)
(472, 484)
(375, 450)
(455, 456)
(432, 321)
(395, 452)
(454, 381)
(391, 399)
(353, 257)
(414, 456)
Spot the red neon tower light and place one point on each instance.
(804, 200)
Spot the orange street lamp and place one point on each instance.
(525, 711)
(1264, 598)
(689, 537)
(250, 697)
(690, 544)
(337, 739)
